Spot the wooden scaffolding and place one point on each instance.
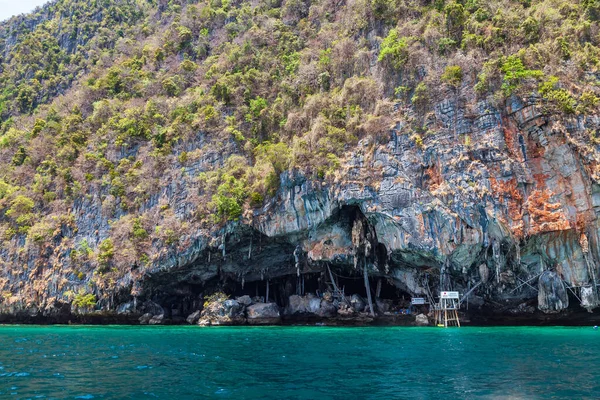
(446, 311)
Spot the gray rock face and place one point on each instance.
(157, 320)
(327, 310)
(589, 297)
(244, 300)
(552, 294)
(382, 306)
(126, 308)
(145, 319)
(421, 320)
(152, 308)
(232, 308)
(297, 305)
(309, 304)
(314, 304)
(194, 317)
(358, 303)
(263, 314)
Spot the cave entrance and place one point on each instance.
(381, 287)
(257, 290)
(180, 301)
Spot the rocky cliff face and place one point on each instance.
(494, 194)
(511, 215)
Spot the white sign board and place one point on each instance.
(449, 295)
(417, 301)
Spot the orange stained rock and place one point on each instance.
(545, 215)
(540, 180)
(583, 242)
(323, 251)
(421, 226)
(510, 138)
(435, 177)
(507, 191)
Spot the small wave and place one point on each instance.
(9, 374)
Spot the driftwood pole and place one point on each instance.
(332, 280)
(368, 288)
(267, 297)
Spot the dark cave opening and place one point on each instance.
(185, 298)
(249, 262)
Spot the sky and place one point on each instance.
(8, 8)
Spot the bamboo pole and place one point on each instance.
(368, 288)
(445, 314)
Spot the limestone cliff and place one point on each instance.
(495, 196)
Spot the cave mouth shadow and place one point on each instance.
(184, 299)
(247, 261)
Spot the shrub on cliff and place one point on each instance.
(453, 75)
(106, 251)
(393, 50)
(515, 73)
(84, 301)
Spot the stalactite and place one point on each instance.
(297, 253)
(590, 294)
(223, 243)
(496, 258)
(357, 239)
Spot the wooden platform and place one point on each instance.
(446, 311)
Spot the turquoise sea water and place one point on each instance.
(298, 363)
